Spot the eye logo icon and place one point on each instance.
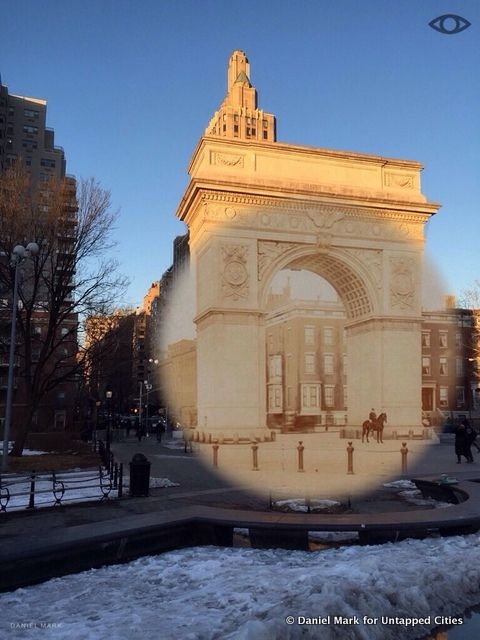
(449, 24)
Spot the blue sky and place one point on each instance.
(132, 85)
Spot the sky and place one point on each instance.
(131, 87)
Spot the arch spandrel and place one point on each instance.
(357, 287)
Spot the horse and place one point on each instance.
(376, 425)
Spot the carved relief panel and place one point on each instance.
(234, 276)
(403, 283)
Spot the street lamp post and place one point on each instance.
(108, 395)
(19, 254)
(148, 388)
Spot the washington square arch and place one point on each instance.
(255, 206)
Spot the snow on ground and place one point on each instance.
(78, 486)
(29, 452)
(173, 444)
(407, 490)
(414, 496)
(301, 505)
(160, 483)
(400, 484)
(210, 593)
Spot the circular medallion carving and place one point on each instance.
(230, 212)
(235, 273)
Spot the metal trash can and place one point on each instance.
(139, 475)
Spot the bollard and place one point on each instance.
(31, 500)
(350, 451)
(255, 456)
(404, 451)
(308, 504)
(215, 453)
(300, 449)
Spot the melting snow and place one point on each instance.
(210, 593)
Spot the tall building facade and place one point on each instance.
(27, 142)
(25, 137)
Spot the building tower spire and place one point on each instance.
(238, 116)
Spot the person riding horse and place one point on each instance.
(374, 424)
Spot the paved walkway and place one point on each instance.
(198, 485)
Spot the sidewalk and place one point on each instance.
(198, 485)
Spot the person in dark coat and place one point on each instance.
(462, 444)
(471, 435)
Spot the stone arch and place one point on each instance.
(347, 275)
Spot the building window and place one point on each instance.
(328, 336)
(30, 113)
(275, 400)
(329, 391)
(443, 396)
(265, 135)
(235, 129)
(345, 396)
(426, 368)
(254, 132)
(309, 363)
(328, 364)
(270, 342)
(426, 339)
(459, 366)
(60, 420)
(29, 144)
(64, 331)
(37, 331)
(458, 340)
(47, 162)
(275, 366)
(310, 396)
(442, 339)
(460, 393)
(443, 367)
(309, 332)
(28, 128)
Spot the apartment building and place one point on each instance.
(26, 140)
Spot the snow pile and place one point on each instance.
(414, 496)
(209, 593)
(160, 483)
(173, 444)
(29, 452)
(400, 484)
(301, 505)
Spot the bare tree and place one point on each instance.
(71, 277)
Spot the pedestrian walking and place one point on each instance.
(462, 444)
